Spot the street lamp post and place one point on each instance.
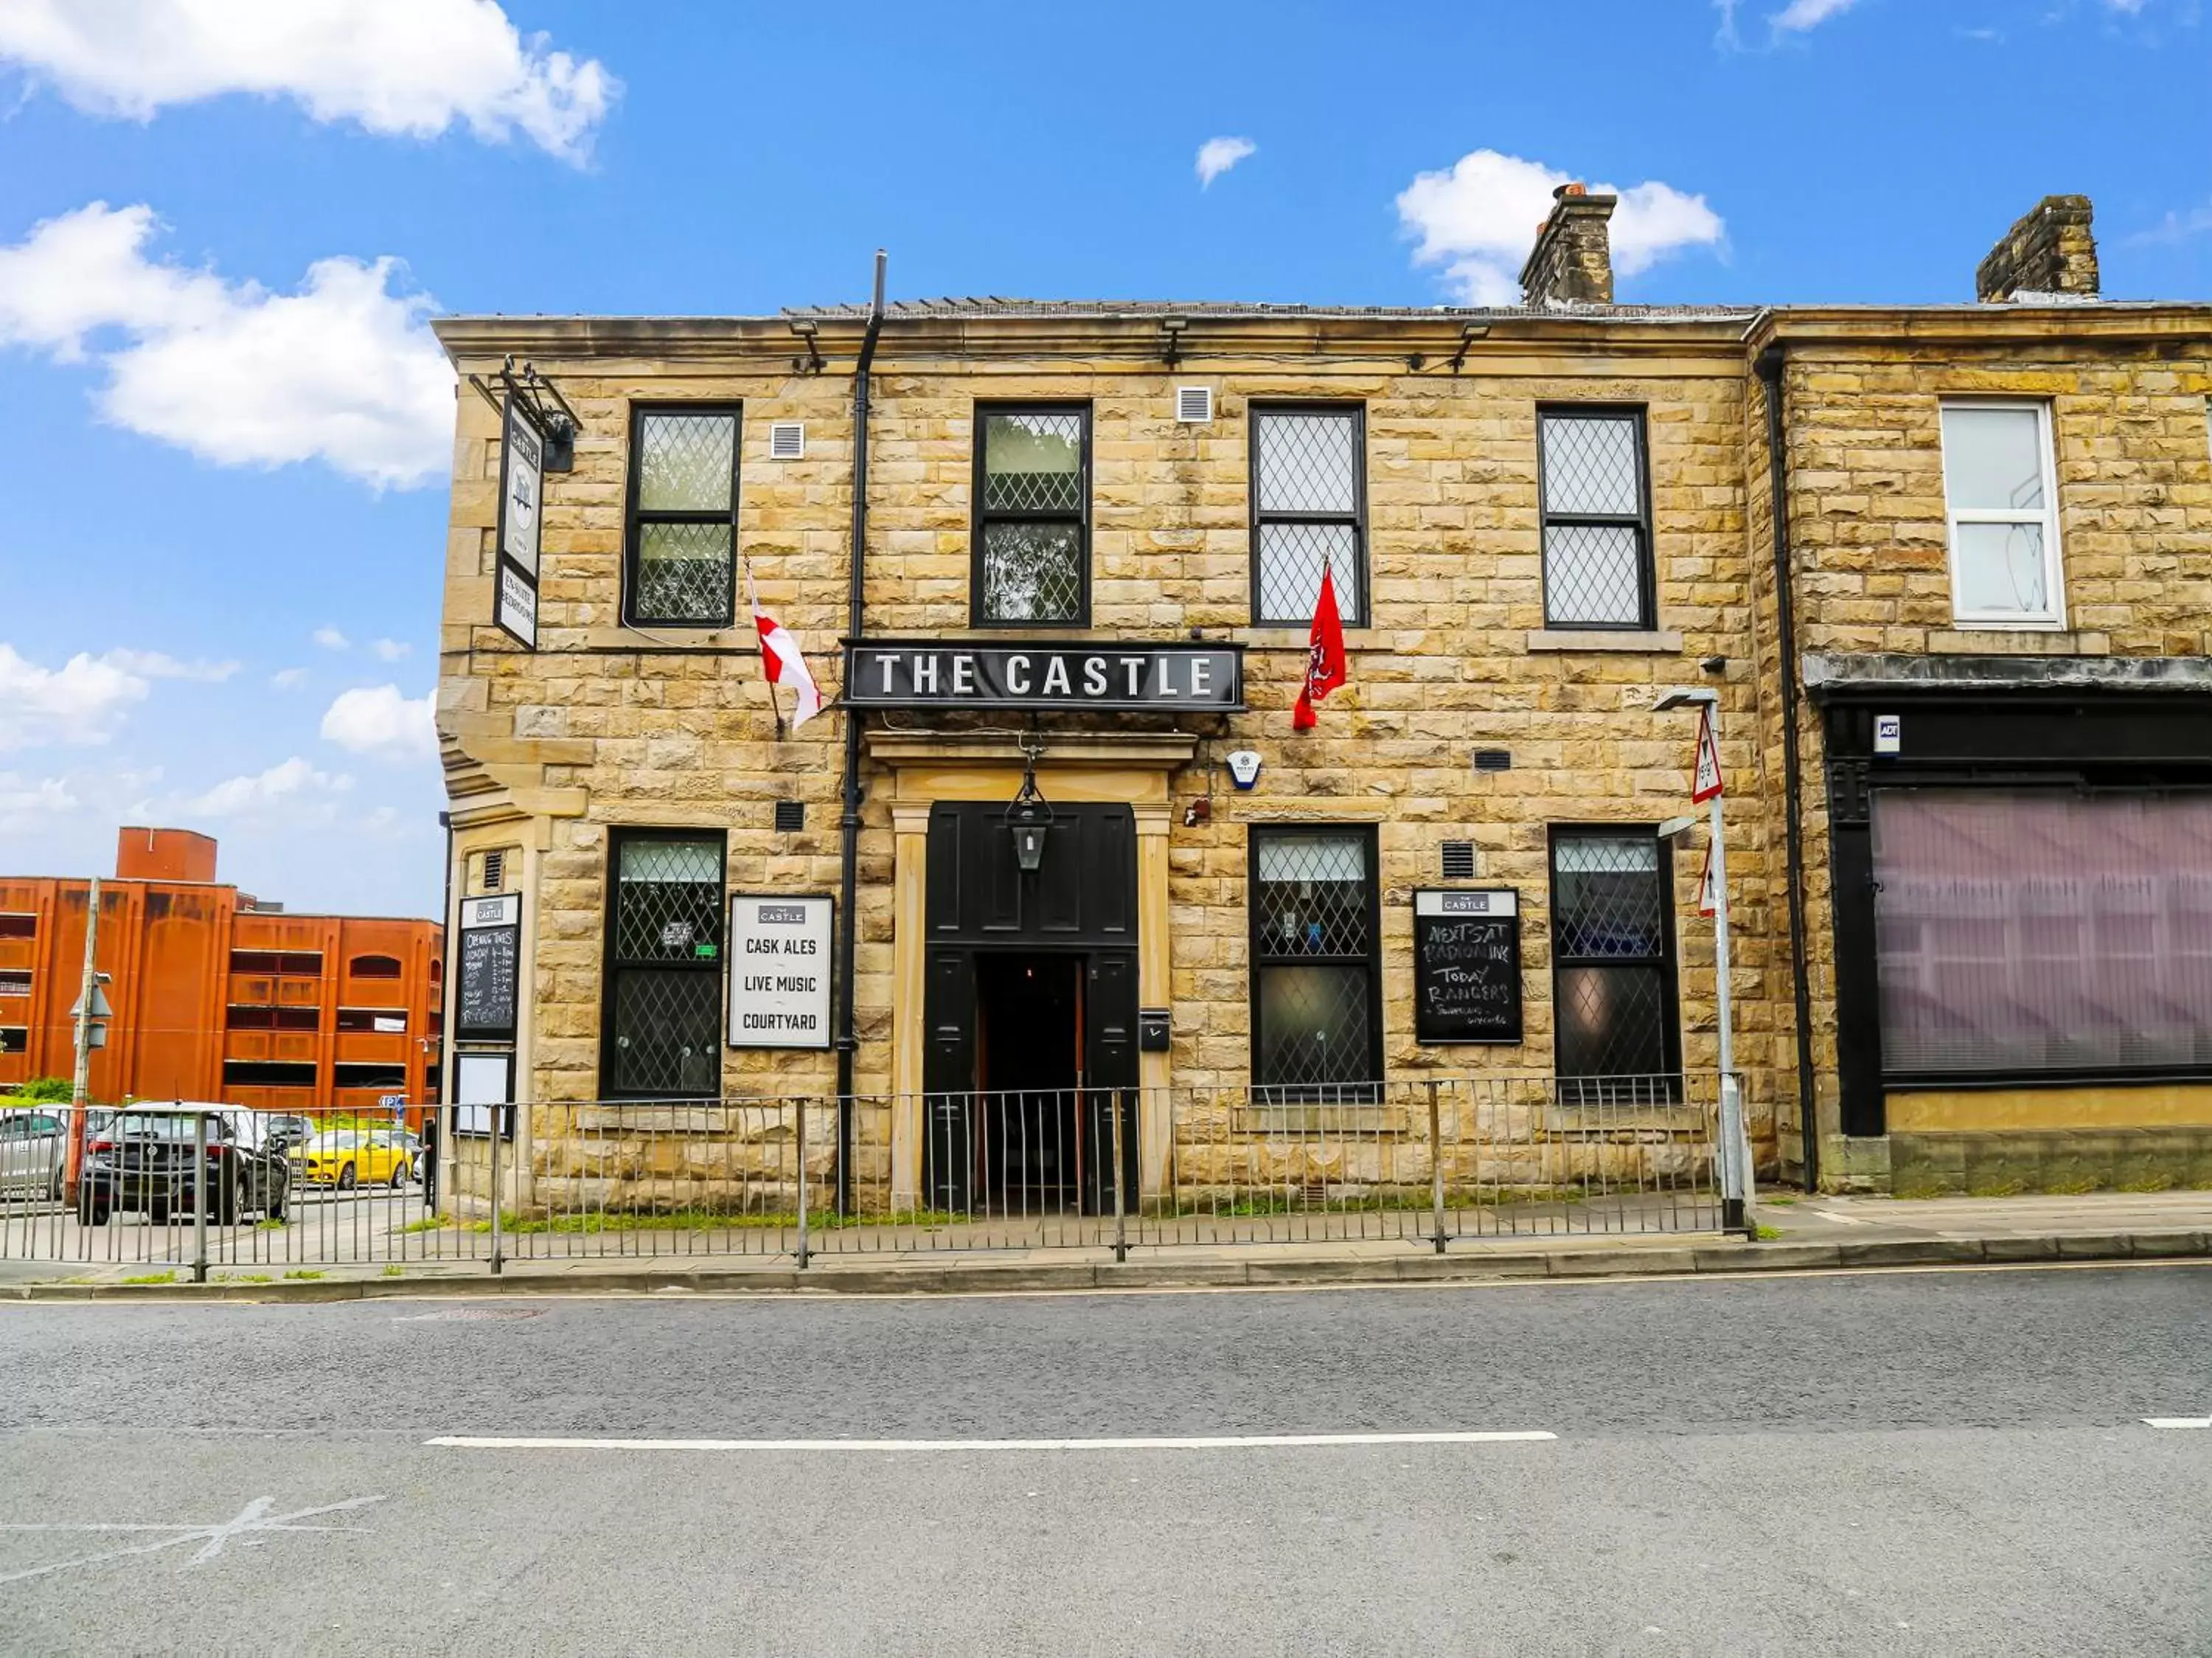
(1734, 1147)
(91, 1014)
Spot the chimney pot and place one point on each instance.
(2051, 249)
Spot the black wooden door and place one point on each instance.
(1109, 1076)
(948, 1103)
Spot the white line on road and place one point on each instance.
(1210, 1442)
(2178, 1422)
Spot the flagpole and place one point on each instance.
(752, 603)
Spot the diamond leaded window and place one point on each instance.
(664, 974)
(1033, 515)
(1309, 511)
(1597, 519)
(1316, 983)
(680, 552)
(1612, 964)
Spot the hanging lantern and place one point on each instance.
(1028, 815)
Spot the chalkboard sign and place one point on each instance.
(1467, 966)
(491, 950)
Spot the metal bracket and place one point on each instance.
(1468, 335)
(541, 400)
(1171, 329)
(807, 329)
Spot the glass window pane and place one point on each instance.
(1593, 573)
(1314, 1027)
(1612, 1021)
(668, 900)
(667, 1033)
(686, 462)
(1312, 894)
(1033, 462)
(1290, 560)
(1590, 466)
(1999, 567)
(1032, 572)
(682, 572)
(1606, 897)
(2017, 930)
(1308, 461)
(1993, 458)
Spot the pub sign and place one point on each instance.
(1116, 675)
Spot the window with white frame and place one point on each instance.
(2001, 502)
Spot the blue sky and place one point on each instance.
(222, 433)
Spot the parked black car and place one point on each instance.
(143, 1161)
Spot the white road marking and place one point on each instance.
(1196, 1443)
(251, 1523)
(2178, 1422)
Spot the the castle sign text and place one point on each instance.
(1106, 674)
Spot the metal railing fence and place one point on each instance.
(1422, 1162)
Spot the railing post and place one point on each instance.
(199, 1198)
(498, 1129)
(798, 1139)
(1120, 1236)
(1436, 1168)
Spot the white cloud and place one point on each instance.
(344, 370)
(413, 67)
(81, 701)
(1800, 15)
(379, 721)
(291, 783)
(158, 665)
(1478, 218)
(390, 650)
(25, 802)
(330, 639)
(288, 678)
(1216, 155)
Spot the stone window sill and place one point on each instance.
(1300, 639)
(2017, 642)
(1656, 642)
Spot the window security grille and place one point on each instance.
(786, 440)
(1193, 404)
(1459, 860)
(1316, 1036)
(790, 816)
(1597, 531)
(665, 968)
(681, 541)
(1309, 512)
(1613, 956)
(1032, 554)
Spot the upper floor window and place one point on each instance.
(680, 550)
(374, 967)
(1032, 558)
(1309, 511)
(1597, 520)
(2001, 498)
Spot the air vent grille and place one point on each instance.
(495, 871)
(1493, 760)
(786, 440)
(790, 816)
(1459, 860)
(1193, 404)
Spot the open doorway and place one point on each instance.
(1029, 1021)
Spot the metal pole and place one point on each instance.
(1435, 1168)
(1121, 1237)
(83, 1085)
(1735, 1163)
(498, 1127)
(199, 1198)
(798, 1137)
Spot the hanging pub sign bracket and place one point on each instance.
(541, 400)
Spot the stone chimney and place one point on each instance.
(1572, 261)
(2050, 252)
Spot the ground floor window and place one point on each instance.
(1613, 960)
(2025, 932)
(1316, 1018)
(663, 1017)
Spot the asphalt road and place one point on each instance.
(1939, 1463)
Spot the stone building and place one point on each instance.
(1091, 536)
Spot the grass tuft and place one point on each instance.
(152, 1278)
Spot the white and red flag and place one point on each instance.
(780, 658)
(1324, 654)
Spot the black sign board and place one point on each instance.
(491, 952)
(1467, 966)
(1102, 674)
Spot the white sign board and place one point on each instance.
(482, 1083)
(1889, 734)
(780, 956)
(1497, 901)
(518, 604)
(524, 493)
(505, 910)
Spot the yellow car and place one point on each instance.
(348, 1157)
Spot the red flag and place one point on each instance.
(1324, 654)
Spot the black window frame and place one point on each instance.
(635, 517)
(1636, 416)
(612, 967)
(979, 514)
(1368, 1091)
(1600, 1087)
(1254, 412)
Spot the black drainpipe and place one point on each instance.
(1793, 766)
(849, 822)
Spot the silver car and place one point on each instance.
(34, 1151)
